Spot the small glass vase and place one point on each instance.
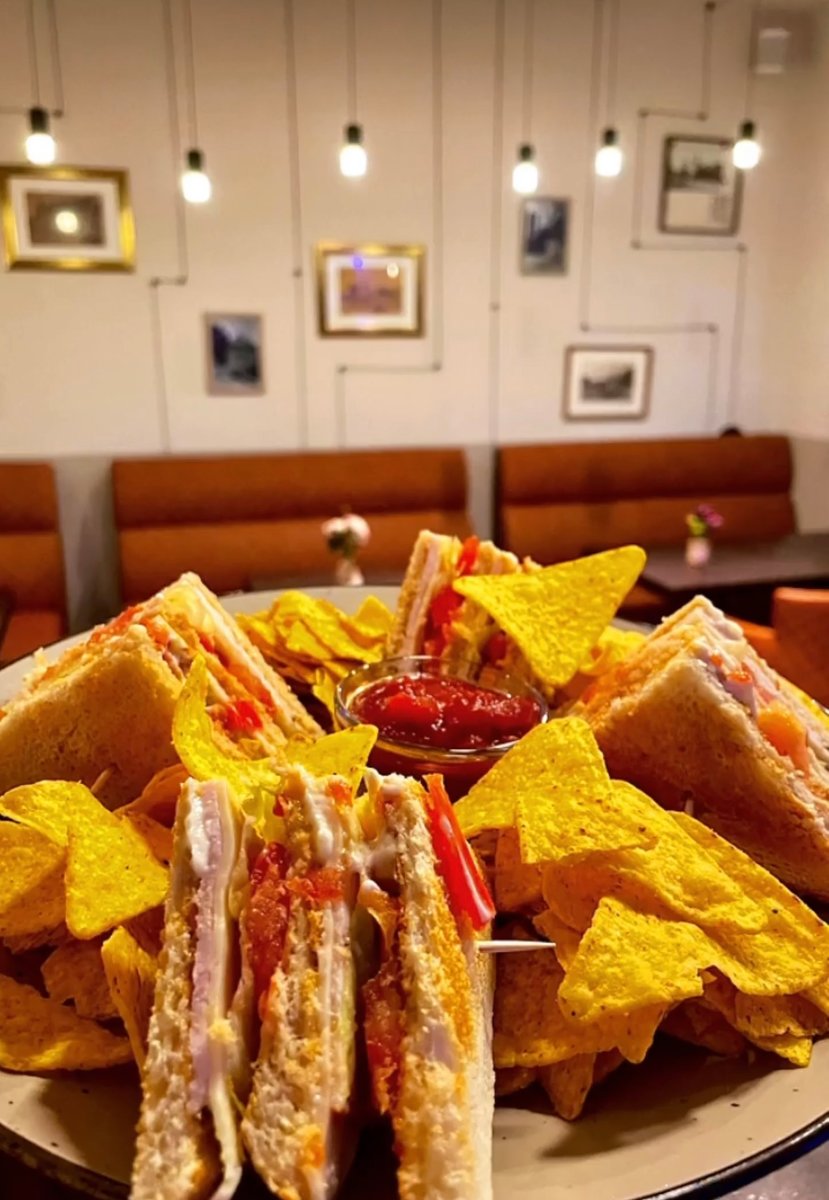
(697, 551)
(347, 573)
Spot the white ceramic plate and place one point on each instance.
(683, 1124)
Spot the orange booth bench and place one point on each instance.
(242, 519)
(556, 502)
(31, 558)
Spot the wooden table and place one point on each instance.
(742, 576)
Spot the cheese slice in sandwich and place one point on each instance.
(432, 618)
(196, 1074)
(428, 1007)
(297, 1127)
(699, 721)
(104, 710)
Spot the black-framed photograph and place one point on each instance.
(545, 228)
(701, 188)
(607, 383)
(233, 350)
(66, 219)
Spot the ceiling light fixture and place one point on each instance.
(353, 157)
(525, 171)
(196, 187)
(609, 158)
(746, 152)
(40, 145)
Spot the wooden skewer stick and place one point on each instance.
(507, 946)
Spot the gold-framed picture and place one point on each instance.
(66, 219)
(370, 290)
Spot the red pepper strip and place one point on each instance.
(466, 887)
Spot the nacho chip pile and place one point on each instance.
(657, 922)
(315, 645)
(72, 874)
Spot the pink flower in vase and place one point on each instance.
(345, 536)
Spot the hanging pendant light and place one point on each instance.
(746, 152)
(195, 182)
(40, 145)
(525, 171)
(353, 157)
(609, 157)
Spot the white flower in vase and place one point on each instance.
(345, 537)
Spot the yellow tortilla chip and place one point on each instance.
(324, 687)
(344, 753)
(675, 877)
(111, 875)
(372, 622)
(627, 960)
(695, 1022)
(613, 647)
(517, 885)
(531, 1030)
(130, 974)
(50, 807)
(31, 882)
(199, 750)
(552, 785)
(791, 953)
(75, 972)
(565, 939)
(796, 1050)
(157, 836)
(160, 796)
(556, 615)
(567, 1084)
(37, 1034)
(509, 1080)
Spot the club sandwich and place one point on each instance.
(696, 719)
(104, 710)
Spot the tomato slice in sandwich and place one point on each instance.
(468, 893)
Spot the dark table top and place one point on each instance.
(800, 557)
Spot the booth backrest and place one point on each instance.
(555, 502)
(31, 557)
(237, 519)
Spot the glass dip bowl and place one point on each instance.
(436, 718)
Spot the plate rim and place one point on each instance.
(710, 1186)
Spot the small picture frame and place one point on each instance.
(545, 232)
(66, 219)
(370, 290)
(607, 383)
(233, 354)
(701, 188)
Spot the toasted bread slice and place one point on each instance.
(683, 720)
(442, 1113)
(196, 1069)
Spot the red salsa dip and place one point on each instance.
(444, 713)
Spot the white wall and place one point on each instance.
(78, 369)
(87, 374)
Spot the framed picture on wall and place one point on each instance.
(233, 350)
(607, 383)
(66, 219)
(370, 290)
(701, 188)
(545, 228)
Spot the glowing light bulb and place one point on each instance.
(195, 182)
(40, 145)
(353, 158)
(746, 152)
(609, 157)
(525, 172)
(67, 221)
